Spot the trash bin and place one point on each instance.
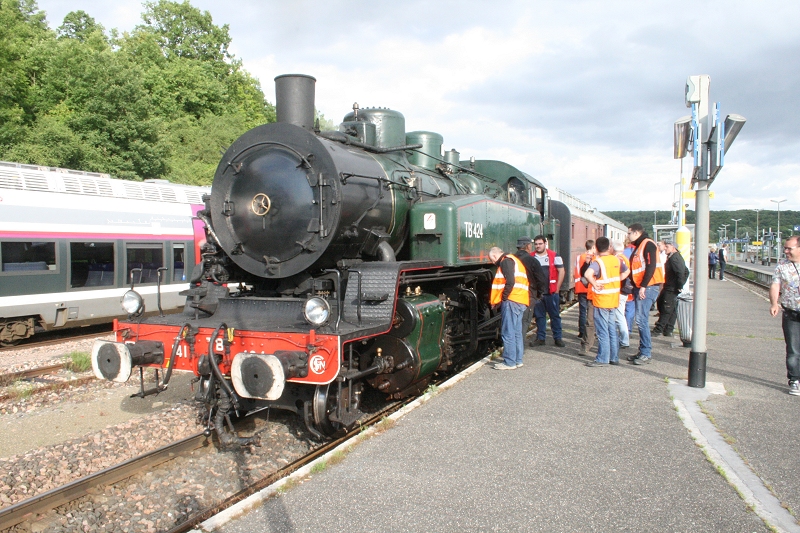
(685, 312)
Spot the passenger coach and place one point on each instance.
(72, 242)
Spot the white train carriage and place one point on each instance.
(71, 242)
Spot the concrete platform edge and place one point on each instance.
(222, 518)
(727, 460)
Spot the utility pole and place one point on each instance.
(712, 138)
(779, 219)
(735, 234)
(725, 230)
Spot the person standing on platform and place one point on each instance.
(510, 292)
(723, 260)
(553, 268)
(625, 291)
(630, 305)
(784, 293)
(582, 290)
(648, 277)
(605, 275)
(536, 279)
(675, 279)
(712, 264)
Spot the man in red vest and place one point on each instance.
(553, 268)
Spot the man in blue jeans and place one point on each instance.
(509, 292)
(553, 269)
(647, 274)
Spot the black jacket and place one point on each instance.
(536, 280)
(676, 273)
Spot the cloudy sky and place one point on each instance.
(581, 95)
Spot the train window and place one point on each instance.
(178, 262)
(148, 257)
(91, 264)
(28, 256)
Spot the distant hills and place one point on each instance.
(747, 224)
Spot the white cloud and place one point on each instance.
(581, 95)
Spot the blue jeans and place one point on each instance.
(511, 332)
(630, 312)
(791, 333)
(643, 317)
(549, 305)
(622, 324)
(722, 269)
(605, 321)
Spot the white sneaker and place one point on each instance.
(503, 366)
(794, 388)
(520, 365)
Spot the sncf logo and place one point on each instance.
(317, 364)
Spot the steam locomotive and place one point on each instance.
(333, 261)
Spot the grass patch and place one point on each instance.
(79, 361)
(286, 487)
(338, 456)
(319, 467)
(730, 393)
(712, 334)
(21, 390)
(432, 389)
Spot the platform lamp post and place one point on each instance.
(712, 138)
(725, 231)
(757, 234)
(735, 234)
(779, 202)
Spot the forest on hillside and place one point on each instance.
(160, 101)
(748, 221)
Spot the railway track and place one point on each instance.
(51, 338)
(37, 506)
(753, 278)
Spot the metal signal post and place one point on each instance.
(710, 139)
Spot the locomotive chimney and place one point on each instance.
(294, 100)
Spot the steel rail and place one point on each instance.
(199, 517)
(63, 336)
(11, 377)
(37, 505)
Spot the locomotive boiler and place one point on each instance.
(333, 261)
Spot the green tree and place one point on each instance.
(186, 32)
(93, 97)
(78, 25)
(23, 27)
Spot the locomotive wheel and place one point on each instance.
(323, 404)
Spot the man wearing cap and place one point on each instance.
(510, 293)
(675, 277)
(536, 279)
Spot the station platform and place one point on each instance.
(558, 446)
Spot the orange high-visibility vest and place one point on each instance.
(638, 266)
(608, 296)
(579, 287)
(519, 293)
